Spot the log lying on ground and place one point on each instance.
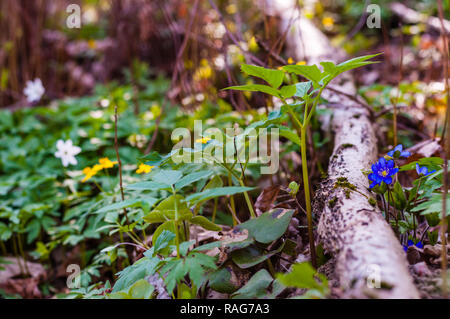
(410, 16)
(365, 248)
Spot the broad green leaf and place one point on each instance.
(217, 192)
(167, 209)
(139, 270)
(205, 223)
(252, 255)
(273, 118)
(141, 289)
(255, 88)
(191, 178)
(261, 285)
(273, 77)
(433, 205)
(132, 202)
(151, 186)
(163, 236)
(119, 295)
(288, 90)
(302, 89)
(304, 276)
(220, 281)
(430, 162)
(311, 72)
(289, 134)
(168, 177)
(397, 198)
(269, 226)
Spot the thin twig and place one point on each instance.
(116, 146)
(446, 138)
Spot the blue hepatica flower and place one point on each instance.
(399, 148)
(411, 243)
(423, 170)
(382, 171)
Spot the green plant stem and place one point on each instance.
(247, 199)
(213, 218)
(3, 247)
(177, 235)
(127, 260)
(22, 252)
(307, 196)
(414, 215)
(233, 207)
(16, 254)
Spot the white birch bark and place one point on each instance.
(367, 252)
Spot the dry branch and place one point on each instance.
(349, 227)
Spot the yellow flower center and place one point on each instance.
(203, 140)
(384, 173)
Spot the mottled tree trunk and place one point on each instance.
(366, 250)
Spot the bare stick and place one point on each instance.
(445, 138)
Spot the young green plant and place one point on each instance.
(306, 94)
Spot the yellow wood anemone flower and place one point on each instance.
(88, 172)
(203, 140)
(106, 163)
(143, 168)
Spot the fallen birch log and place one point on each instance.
(370, 262)
(408, 15)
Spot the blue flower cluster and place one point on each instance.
(382, 171)
(398, 148)
(423, 170)
(411, 243)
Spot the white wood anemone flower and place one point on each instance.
(34, 90)
(66, 152)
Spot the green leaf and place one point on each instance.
(269, 226)
(168, 177)
(310, 72)
(191, 178)
(197, 264)
(259, 287)
(217, 192)
(433, 205)
(273, 77)
(430, 162)
(205, 223)
(398, 199)
(139, 270)
(251, 255)
(220, 281)
(289, 134)
(165, 210)
(163, 236)
(141, 289)
(151, 186)
(255, 88)
(304, 276)
(302, 89)
(288, 90)
(132, 202)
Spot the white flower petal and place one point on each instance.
(65, 161)
(75, 150)
(72, 160)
